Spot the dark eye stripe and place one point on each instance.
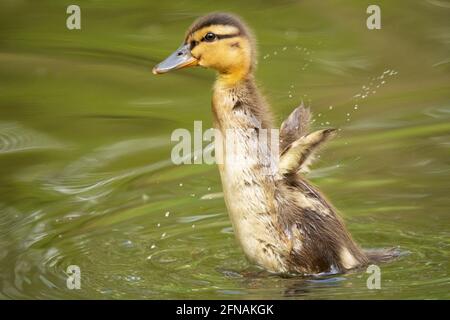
(193, 44)
(224, 36)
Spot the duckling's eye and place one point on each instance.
(209, 37)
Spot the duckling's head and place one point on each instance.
(219, 41)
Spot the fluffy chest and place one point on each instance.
(247, 173)
(245, 165)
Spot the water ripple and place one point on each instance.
(15, 137)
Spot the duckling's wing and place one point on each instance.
(300, 153)
(295, 126)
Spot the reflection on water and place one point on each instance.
(86, 177)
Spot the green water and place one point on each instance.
(85, 171)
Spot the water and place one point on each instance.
(85, 170)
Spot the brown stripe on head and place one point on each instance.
(220, 19)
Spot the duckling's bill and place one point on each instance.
(181, 58)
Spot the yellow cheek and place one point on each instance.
(223, 56)
(226, 56)
(196, 52)
(207, 54)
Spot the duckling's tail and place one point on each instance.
(383, 255)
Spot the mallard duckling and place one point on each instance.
(283, 223)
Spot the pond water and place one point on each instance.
(85, 172)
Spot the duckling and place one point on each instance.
(283, 223)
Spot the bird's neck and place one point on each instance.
(234, 78)
(233, 91)
(246, 167)
(241, 70)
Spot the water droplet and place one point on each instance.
(128, 244)
(132, 278)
